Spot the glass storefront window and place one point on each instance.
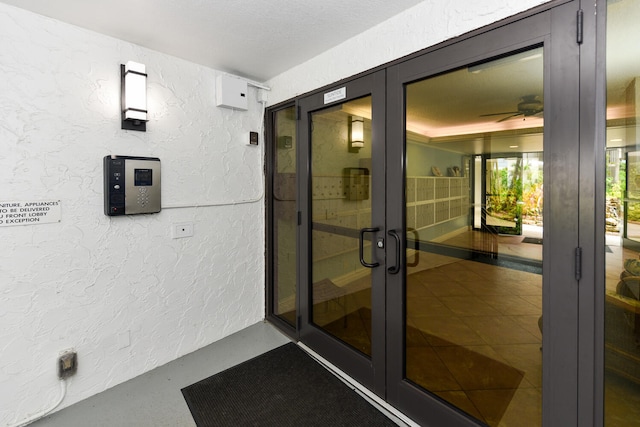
(474, 189)
(622, 293)
(284, 216)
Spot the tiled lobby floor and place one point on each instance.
(485, 336)
(473, 337)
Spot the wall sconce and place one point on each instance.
(133, 84)
(356, 134)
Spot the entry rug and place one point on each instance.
(534, 240)
(284, 387)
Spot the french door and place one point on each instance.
(342, 148)
(451, 322)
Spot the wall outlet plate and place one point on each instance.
(67, 364)
(179, 231)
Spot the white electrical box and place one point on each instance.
(231, 92)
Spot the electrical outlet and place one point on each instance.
(179, 231)
(67, 364)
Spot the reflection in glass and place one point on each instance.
(622, 296)
(632, 198)
(341, 206)
(474, 184)
(285, 221)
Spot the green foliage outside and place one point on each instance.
(616, 187)
(505, 187)
(532, 194)
(515, 193)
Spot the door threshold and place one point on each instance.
(393, 413)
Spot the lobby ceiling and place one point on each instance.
(260, 39)
(250, 38)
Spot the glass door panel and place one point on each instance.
(284, 216)
(405, 283)
(342, 199)
(622, 245)
(474, 298)
(484, 325)
(341, 222)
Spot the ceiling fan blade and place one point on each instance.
(500, 114)
(509, 117)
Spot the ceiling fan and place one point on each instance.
(529, 105)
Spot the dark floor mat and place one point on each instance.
(534, 240)
(284, 387)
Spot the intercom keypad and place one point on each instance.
(132, 185)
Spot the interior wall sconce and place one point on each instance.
(356, 134)
(133, 79)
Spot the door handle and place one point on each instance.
(362, 261)
(416, 255)
(396, 268)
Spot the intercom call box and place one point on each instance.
(131, 185)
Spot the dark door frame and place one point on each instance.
(271, 294)
(563, 404)
(561, 134)
(367, 371)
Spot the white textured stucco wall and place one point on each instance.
(92, 282)
(95, 283)
(426, 24)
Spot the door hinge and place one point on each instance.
(298, 322)
(298, 113)
(299, 218)
(578, 261)
(580, 26)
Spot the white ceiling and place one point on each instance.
(257, 39)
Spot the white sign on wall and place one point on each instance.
(335, 95)
(29, 213)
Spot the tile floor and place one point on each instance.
(473, 337)
(483, 336)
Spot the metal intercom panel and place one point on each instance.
(131, 185)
